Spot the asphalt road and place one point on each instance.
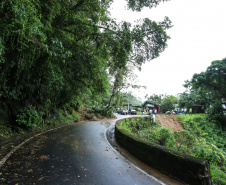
(76, 154)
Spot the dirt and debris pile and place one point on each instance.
(169, 121)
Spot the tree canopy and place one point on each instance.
(155, 98)
(168, 103)
(207, 88)
(213, 79)
(57, 52)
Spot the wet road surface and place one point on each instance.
(76, 154)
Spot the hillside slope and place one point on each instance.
(169, 121)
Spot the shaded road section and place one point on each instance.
(76, 154)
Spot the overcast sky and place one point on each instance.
(198, 37)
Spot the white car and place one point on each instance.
(124, 111)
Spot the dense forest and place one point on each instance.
(57, 54)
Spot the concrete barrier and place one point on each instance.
(180, 166)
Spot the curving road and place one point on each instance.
(76, 154)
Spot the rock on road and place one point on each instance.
(76, 154)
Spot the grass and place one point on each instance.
(203, 137)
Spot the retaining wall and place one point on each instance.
(180, 166)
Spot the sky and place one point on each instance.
(198, 37)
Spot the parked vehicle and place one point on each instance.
(118, 110)
(133, 112)
(123, 111)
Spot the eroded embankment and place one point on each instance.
(169, 121)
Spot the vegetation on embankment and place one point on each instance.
(29, 120)
(210, 142)
(203, 138)
(184, 167)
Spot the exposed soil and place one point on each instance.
(169, 121)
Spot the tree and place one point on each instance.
(212, 84)
(209, 89)
(121, 83)
(46, 60)
(55, 53)
(129, 97)
(213, 79)
(139, 4)
(168, 103)
(155, 98)
(188, 98)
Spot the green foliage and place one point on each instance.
(218, 176)
(203, 153)
(184, 140)
(65, 116)
(207, 88)
(131, 98)
(139, 4)
(137, 124)
(194, 97)
(144, 128)
(201, 125)
(102, 111)
(213, 80)
(2, 179)
(210, 143)
(165, 137)
(55, 53)
(29, 118)
(203, 137)
(168, 103)
(155, 98)
(75, 115)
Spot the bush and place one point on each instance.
(184, 138)
(203, 153)
(28, 118)
(76, 115)
(203, 138)
(65, 117)
(218, 176)
(165, 137)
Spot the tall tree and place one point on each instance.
(213, 79)
(213, 82)
(168, 103)
(155, 98)
(55, 52)
(209, 87)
